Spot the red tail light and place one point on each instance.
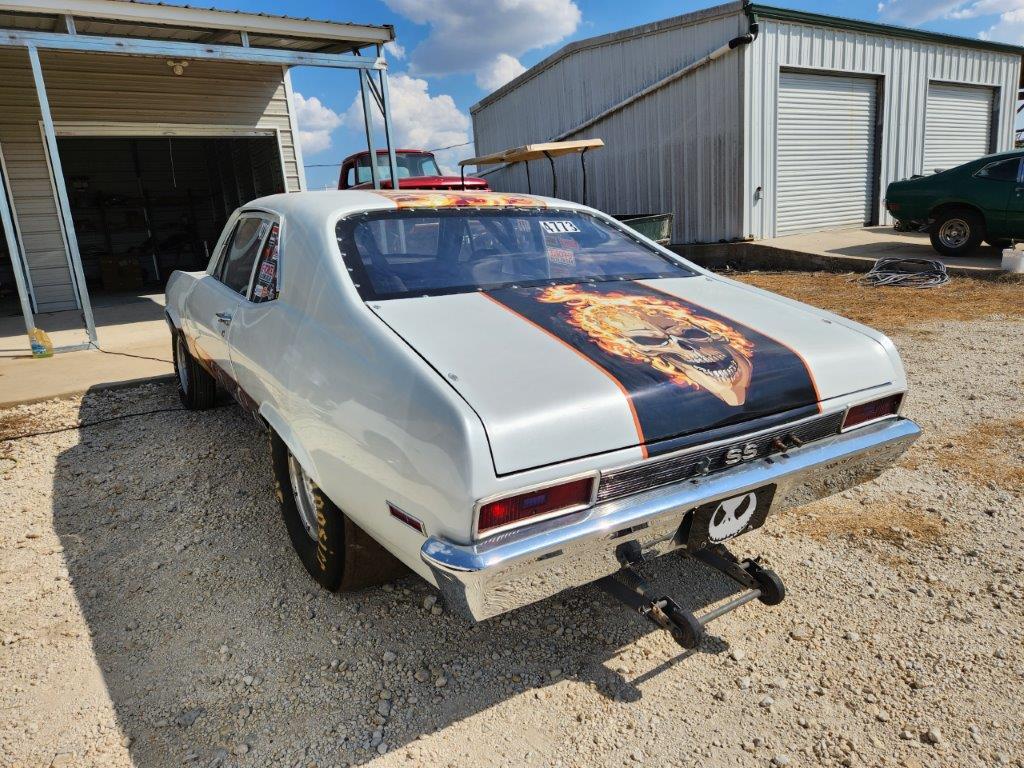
(876, 409)
(560, 499)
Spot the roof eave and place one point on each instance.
(875, 28)
(208, 18)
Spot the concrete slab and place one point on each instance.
(844, 250)
(135, 345)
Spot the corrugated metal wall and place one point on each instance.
(677, 150)
(907, 67)
(110, 89)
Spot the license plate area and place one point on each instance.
(725, 519)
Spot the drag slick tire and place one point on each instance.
(338, 554)
(196, 388)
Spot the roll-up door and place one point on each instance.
(825, 152)
(958, 125)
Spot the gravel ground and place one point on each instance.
(152, 612)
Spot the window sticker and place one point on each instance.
(561, 256)
(266, 278)
(558, 227)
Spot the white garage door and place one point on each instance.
(958, 123)
(825, 152)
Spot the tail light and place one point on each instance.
(533, 505)
(893, 207)
(872, 411)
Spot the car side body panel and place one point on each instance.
(914, 201)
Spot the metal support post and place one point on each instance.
(62, 194)
(14, 246)
(364, 89)
(385, 100)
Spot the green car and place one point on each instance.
(979, 200)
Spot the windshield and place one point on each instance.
(409, 164)
(392, 254)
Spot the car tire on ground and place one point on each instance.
(196, 388)
(339, 555)
(957, 231)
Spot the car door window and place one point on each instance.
(264, 287)
(235, 269)
(1005, 170)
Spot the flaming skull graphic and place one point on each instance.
(691, 349)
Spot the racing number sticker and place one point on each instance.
(558, 227)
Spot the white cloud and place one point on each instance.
(1009, 28)
(914, 12)
(420, 121)
(1007, 15)
(316, 122)
(395, 50)
(499, 71)
(484, 37)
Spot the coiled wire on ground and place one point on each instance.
(906, 273)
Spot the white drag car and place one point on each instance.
(514, 395)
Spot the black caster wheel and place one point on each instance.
(689, 631)
(773, 591)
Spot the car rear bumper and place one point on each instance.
(514, 569)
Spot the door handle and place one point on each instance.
(224, 317)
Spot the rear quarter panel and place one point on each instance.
(377, 423)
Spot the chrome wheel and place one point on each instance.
(182, 362)
(302, 492)
(954, 233)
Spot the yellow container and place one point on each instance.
(41, 344)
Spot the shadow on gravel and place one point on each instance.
(215, 646)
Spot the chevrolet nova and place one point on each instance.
(513, 395)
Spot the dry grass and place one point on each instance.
(895, 309)
(14, 423)
(991, 454)
(896, 521)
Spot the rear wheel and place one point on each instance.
(957, 232)
(196, 388)
(338, 554)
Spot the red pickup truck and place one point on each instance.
(417, 169)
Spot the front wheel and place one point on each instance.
(957, 232)
(336, 552)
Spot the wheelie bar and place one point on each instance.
(687, 628)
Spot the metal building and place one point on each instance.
(748, 121)
(130, 131)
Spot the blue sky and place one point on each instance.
(453, 52)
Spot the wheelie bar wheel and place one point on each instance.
(689, 631)
(773, 591)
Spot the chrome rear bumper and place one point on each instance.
(517, 568)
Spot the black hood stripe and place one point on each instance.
(682, 368)
(625, 392)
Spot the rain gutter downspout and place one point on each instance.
(745, 39)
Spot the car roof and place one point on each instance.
(366, 152)
(333, 204)
(1010, 153)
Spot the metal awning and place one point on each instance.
(152, 21)
(130, 28)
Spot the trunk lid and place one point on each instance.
(561, 372)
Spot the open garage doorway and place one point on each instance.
(145, 206)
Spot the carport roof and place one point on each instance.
(185, 23)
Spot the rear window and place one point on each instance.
(392, 254)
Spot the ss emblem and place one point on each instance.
(739, 453)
